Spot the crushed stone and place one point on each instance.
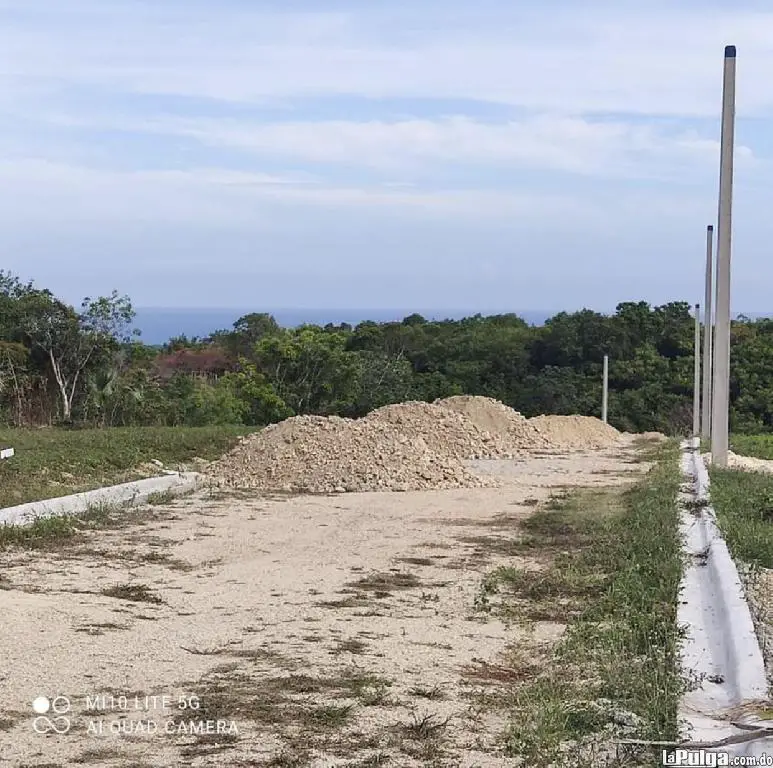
(400, 447)
(575, 432)
(498, 419)
(316, 454)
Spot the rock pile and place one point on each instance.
(314, 454)
(447, 431)
(402, 447)
(563, 433)
(516, 431)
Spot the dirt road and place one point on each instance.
(301, 631)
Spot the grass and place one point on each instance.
(45, 531)
(304, 711)
(612, 572)
(56, 462)
(135, 593)
(743, 502)
(759, 446)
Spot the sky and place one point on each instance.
(542, 155)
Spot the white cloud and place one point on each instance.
(61, 193)
(575, 145)
(663, 60)
(581, 86)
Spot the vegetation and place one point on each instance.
(613, 576)
(743, 502)
(50, 463)
(759, 446)
(59, 365)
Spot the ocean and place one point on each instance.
(158, 324)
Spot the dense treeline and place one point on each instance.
(87, 366)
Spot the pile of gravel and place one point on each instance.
(315, 454)
(575, 432)
(402, 447)
(514, 430)
(445, 430)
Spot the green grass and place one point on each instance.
(759, 446)
(743, 502)
(615, 565)
(56, 462)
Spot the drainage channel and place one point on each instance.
(721, 655)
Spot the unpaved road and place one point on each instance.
(312, 631)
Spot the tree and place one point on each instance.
(69, 340)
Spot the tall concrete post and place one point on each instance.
(696, 388)
(605, 390)
(720, 412)
(708, 333)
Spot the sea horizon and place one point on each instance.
(160, 324)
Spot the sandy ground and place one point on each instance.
(275, 616)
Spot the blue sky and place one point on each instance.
(381, 154)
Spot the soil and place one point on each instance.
(278, 614)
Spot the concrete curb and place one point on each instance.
(720, 650)
(126, 494)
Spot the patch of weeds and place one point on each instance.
(10, 720)
(427, 727)
(350, 601)
(758, 446)
(160, 498)
(252, 654)
(486, 546)
(373, 761)
(136, 593)
(615, 671)
(385, 582)
(56, 461)
(436, 693)
(97, 755)
(376, 696)
(743, 502)
(99, 628)
(61, 531)
(416, 560)
(290, 759)
(163, 559)
(352, 645)
(330, 715)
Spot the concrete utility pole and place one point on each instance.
(605, 389)
(720, 412)
(696, 388)
(708, 333)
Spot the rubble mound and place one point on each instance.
(575, 432)
(499, 420)
(446, 431)
(653, 437)
(315, 454)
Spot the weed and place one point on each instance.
(423, 728)
(385, 582)
(351, 645)
(435, 693)
(612, 574)
(57, 462)
(160, 497)
(136, 593)
(331, 715)
(744, 505)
